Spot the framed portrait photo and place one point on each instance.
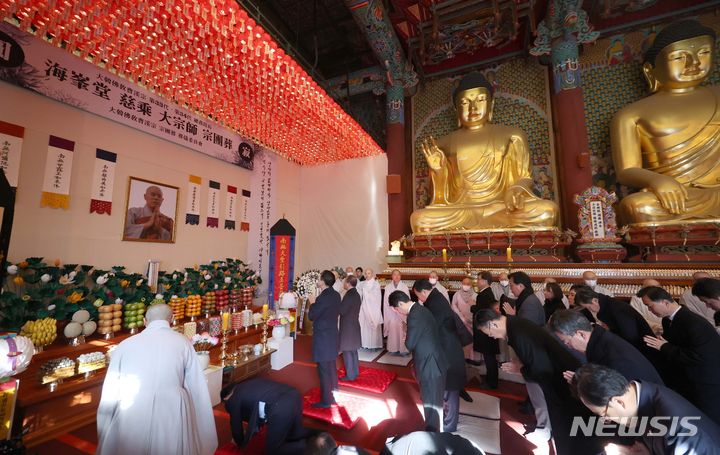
(151, 211)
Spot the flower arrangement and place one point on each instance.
(306, 284)
(37, 288)
(274, 322)
(203, 342)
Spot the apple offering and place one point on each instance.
(134, 315)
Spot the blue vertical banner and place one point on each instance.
(282, 259)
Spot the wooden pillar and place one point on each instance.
(572, 145)
(399, 175)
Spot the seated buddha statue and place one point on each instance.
(480, 172)
(668, 144)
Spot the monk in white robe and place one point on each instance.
(395, 327)
(433, 278)
(155, 400)
(371, 318)
(461, 302)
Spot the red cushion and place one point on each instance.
(369, 379)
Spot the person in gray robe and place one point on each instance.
(350, 328)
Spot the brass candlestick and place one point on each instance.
(264, 335)
(223, 353)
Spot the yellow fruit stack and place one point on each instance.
(110, 318)
(193, 305)
(41, 332)
(208, 302)
(178, 306)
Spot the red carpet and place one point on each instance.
(256, 446)
(369, 379)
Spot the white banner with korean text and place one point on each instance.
(57, 74)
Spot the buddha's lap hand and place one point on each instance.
(671, 194)
(515, 198)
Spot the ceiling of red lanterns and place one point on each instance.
(207, 55)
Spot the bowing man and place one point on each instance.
(439, 306)
(601, 347)
(259, 402)
(324, 313)
(634, 404)
(423, 340)
(690, 344)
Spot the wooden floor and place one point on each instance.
(397, 412)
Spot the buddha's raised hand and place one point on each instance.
(434, 155)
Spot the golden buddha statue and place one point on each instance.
(668, 144)
(480, 172)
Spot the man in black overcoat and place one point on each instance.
(325, 313)
(488, 347)
(544, 360)
(438, 305)
(423, 340)
(690, 344)
(601, 347)
(350, 340)
(687, 430)
(258, 402)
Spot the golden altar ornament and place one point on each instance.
(668, 144)
(480, 172)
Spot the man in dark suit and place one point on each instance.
(619, 317)
(452, 349)
(488, 347)
(708, 291)
(350, 328)
(624, 321)
(527, 304)
(260, 401)
(601, 347)
(689, 342)
(423, 340)
(324, 313)
(543, 361)
(609, 394)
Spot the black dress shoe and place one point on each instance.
(466, 396)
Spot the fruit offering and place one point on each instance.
(109, 318)
(157, 301)
(134, 314)
(41, 332)
(222, 299)
(235, 297)
(208, 301)
(178, 307)
(193, 305)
